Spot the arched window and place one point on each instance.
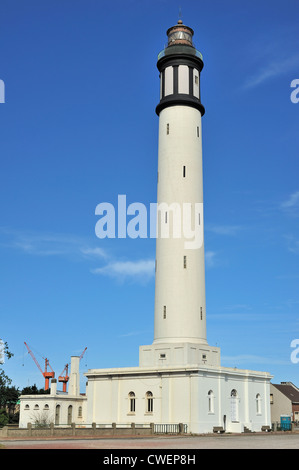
(234, 406)
(149, 402)
(36, 407)
(46, 407)
(57, 414)
(211, 401)
(132, 402)
(27, 407)
(258, 401)
(80, 412)
(69, 414)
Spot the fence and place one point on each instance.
(93, 429)
(170, 428)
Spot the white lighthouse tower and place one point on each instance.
(180, 305)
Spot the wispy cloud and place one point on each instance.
(291, 205)
(74, 247)
(140, 270)
(94, 252)
(292, 244)
(49, 244)
(252, 359)
(132, 333)
(273, 69)
(230, 230)
(238, 307)
(210, 259)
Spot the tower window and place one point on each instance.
(197, 131)
(184, 171)
(167, 129)
(196, 79)
(166, 217)
(201, 313)
(185, 262)
(164, 312)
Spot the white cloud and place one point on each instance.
(132, 333)
(210, 259)
(224, 229)
(272, 70)
(291, 205)
(252, 359)
(49, 244)
(94, 252)
(140, 270)
(292, 244)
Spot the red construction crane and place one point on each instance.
(65, 378)
(47, 374)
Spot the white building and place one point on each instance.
(179, 378)
(57, 407)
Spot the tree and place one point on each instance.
(3, 418)
(33, 390)
(8, 395)
(4, 379)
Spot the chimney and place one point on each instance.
(53, 387)
(74, 382)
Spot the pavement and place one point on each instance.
(174, 443)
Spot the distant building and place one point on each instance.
(284, 400)
(57, 407)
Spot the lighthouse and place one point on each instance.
(179, 381)
(180, 307)
(180, 302)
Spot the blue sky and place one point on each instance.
(78, 127)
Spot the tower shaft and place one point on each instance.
(180, 306)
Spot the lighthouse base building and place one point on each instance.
(193, 390)
(180, 379)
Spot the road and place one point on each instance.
(241, 441)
